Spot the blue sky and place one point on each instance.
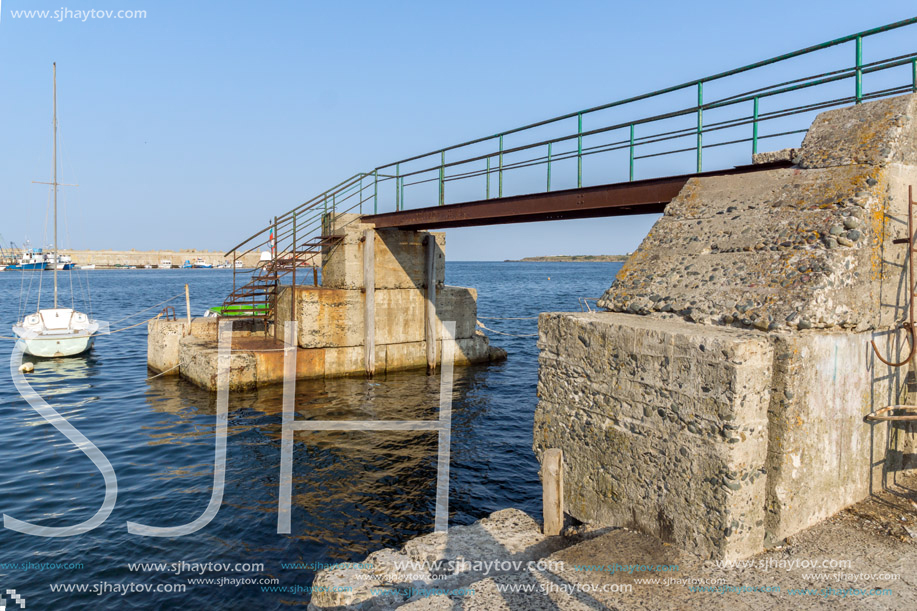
(191, 127)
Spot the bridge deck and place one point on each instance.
(618, 199)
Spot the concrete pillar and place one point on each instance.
(429, 312)
(369, 307)
(552, 482)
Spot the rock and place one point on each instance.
(844, 241)
(851, 222)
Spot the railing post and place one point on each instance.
(859, 69)
(375, 191)
(549, 166)
(631, 175)
(754, 129)
(579, 150)
(276, 281)
(360, 195)
(487, 190)
(442, 178)
(500, 181)
(295, 265)
(234, 254)
(914, 74)
(397, 187)
(700, 126)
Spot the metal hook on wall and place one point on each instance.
(909, 325)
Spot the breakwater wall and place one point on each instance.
(719, 401)
(139, 258)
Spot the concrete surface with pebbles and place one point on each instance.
(876, 540)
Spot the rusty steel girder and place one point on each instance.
(638, 197)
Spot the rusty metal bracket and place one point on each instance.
(909, 324)
(168, 313)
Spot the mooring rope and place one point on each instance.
(161, 374)
(145, 309)
(480, 324)
(142, 322)
(508, 318)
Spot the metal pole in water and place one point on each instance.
(188, 304)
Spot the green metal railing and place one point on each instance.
(694, 111)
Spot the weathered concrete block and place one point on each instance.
(399, 316)
(459, 304)
(205, 328)
(334, 317)
(254, 362)
(198, 363)
(875, 133)
(774, 156)
(663, 425)
(327, 317)
(789, 248)
(412, 355)
(399, 257)
(346, 360)
(162, 347)
(775, 250)
(471, 350)
(822, 455)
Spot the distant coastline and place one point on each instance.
(572, 259)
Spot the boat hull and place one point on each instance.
(27, 267)
(56, 347)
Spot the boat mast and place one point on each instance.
(54, 180)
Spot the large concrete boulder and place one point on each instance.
(799, 248)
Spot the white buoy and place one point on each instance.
(26, 368)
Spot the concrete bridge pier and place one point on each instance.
(719, 402)
(380, 307)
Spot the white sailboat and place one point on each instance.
(55, 332)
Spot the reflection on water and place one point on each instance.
(353, 492)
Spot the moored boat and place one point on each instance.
(54, 332)
(32, 259)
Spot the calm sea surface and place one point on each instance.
(353, 492)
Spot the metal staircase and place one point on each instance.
(298, 239)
